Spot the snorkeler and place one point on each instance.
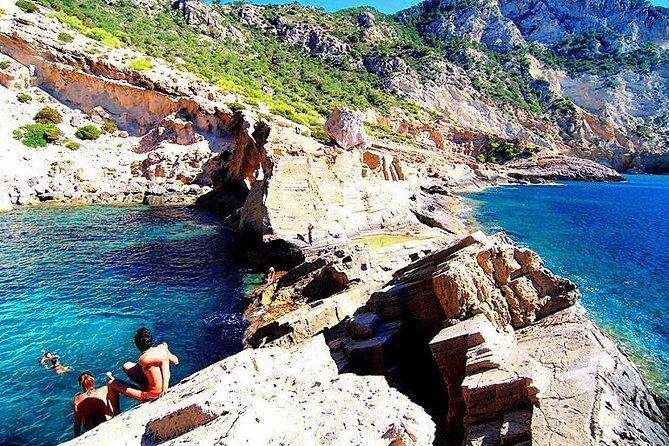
(51, 361)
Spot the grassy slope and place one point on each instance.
(307, 89)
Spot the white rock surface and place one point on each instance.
(5, 202)
(272, 396)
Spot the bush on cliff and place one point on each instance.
(48, 115)
(235, 106)
(37, 135)
(140, 64)
(65, 37)
(26, 5)
(88, 132)
(24, 97)
(109, 127)
(72, 145)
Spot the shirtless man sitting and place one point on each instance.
(151, 373)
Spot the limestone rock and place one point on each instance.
(546, 169)
(272, 396)
(347, 129)
(547, 22)
(508, 284)
(317, 41)
(5, 201)
(480, 21)
(184, 164)
(597, 396)
(366, 19)
(493, 376)
(16, 76)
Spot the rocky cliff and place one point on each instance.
(456, 325)
(481, 337)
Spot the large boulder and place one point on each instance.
(272, 396)
(347, 129)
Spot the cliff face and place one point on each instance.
(548, 22)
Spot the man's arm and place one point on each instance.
(77, 421)
(173, 358)
(165, 374)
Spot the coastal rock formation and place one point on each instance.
(596, 394)
(489, 378)
(347, 129)
(483, 381)
(272, 396)
(546, 169)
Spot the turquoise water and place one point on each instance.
(79, 281)
(612, 239)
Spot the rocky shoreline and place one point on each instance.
(482, 339)
(393, 326)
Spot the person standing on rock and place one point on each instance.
(151, 373)
(270, 275)
(310, 234)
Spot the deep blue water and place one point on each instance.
(79, 281)
(612, 239)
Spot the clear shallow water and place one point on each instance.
(79, 281)
(613, 241)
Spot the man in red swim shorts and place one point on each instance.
(151, 372)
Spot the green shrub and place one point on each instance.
(24, 97)
(26, 5)
(319, 133)
(103, 36)
(265, 117)
(37, 135)
(4, 64)
(48, 115)
(235, 106)
(140, 64)
(88, 132)
(65, 37)
(69, 20)
(109, 127)
(72, 145)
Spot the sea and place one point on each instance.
(79, 281)
(612, 239)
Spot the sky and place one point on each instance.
(387, 6)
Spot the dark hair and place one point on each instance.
(143, 339)
(86, 381)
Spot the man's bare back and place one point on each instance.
(155, 364)
(151, 373)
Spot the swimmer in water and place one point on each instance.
(52, 361)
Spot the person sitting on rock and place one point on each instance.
(151, 373)
(90, 407)
(270, 275)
